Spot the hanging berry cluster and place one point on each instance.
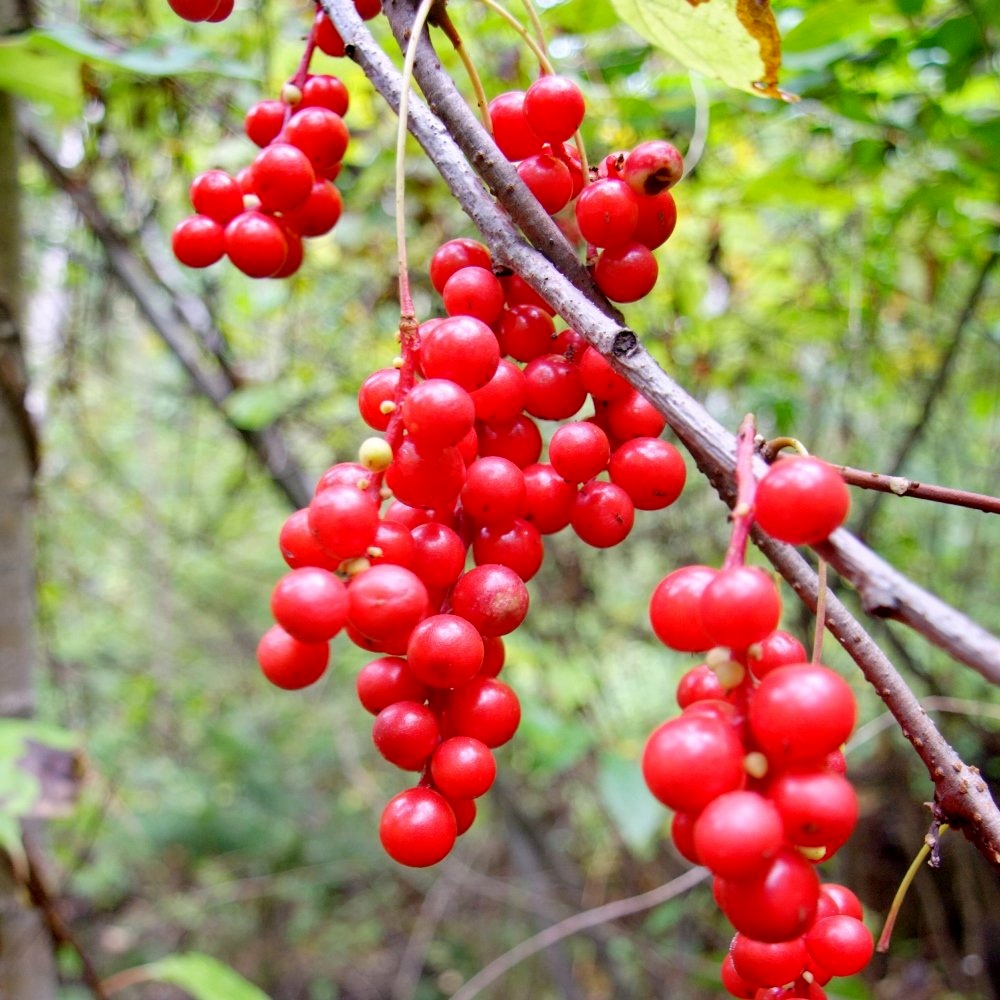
(753, 767)
(462, 461)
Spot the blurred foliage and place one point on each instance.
(825, 254)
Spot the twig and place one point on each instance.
(616, 910)
(713, 449)
(61, 932)
(903, 487)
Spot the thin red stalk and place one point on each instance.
(303, 70)
(746, 491)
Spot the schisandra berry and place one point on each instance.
(445, 651)
(418, 827)
(554, 108)
(673, 609)
(511, 131)
(801, 500)
(289, 663)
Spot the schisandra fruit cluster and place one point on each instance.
(753, 766)
(466, 478)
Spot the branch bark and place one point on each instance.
(453, 142)
(186, 329)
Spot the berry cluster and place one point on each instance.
(626, 212)
(259, 218)
(753, 767)
(461, 461)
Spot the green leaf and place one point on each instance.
(46, 65)
(627, 799)
(203, 977)
(735, 41)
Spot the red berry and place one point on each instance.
(298, 544)
(602, 514)
(607, 213)
(768, 964)
(310, 604)
(473, 291)
(438, 413)
(438, 555)
(445, 651)
(502, 398)
(554, 388)
(548, 499)
(690, 760)
(406, 734)
(325, 91)
(418, 827)
(320, 134)
(344, 521)
(626, 273)
(651, 472)
(455, 255)
(657, 219)
(492, 597)
(288, 663)
(494, 491)
(632, 415)
(318, 214)
(740, 607)
(673, 609)
(431, 478)
(463, 768)
(600, 379)
(385, 681)
(511, 130)
(328, 39)
(699, 684)
(518, 545)
(194, 10)
(198, 241)
(282, 177)
(548, 179)
(379, 388)
(579, 451)
(554, 108)
(484, 708)
(652, 167)
(264, 121)
(461, 348)
(840, 945)
(520, 441)
(737, 834)
(526, 332)
(801, 500)
(386, 600)
(818, 808)
(776, 904)
(775, 650)
(256, 244)
(217, 195)
(801, 713)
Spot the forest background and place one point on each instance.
(833, 271)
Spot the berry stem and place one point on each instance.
(303, 68)
(536, 23)
(930, 844)
(445, 23)
(771, 448)
(821, 591)
(746, 489)
(537, 49)
(405, 298)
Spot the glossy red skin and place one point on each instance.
(418, 827)
(492, 597)
(445, 651)
(405, 734)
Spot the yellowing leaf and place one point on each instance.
(735, 41)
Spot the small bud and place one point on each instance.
(397, 362)
(374, 552)
(291, 94)
(352, 567)
(386, 407)
(811, 853)
(375, 454)
(755, 764)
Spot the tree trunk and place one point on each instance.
(27, 964)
